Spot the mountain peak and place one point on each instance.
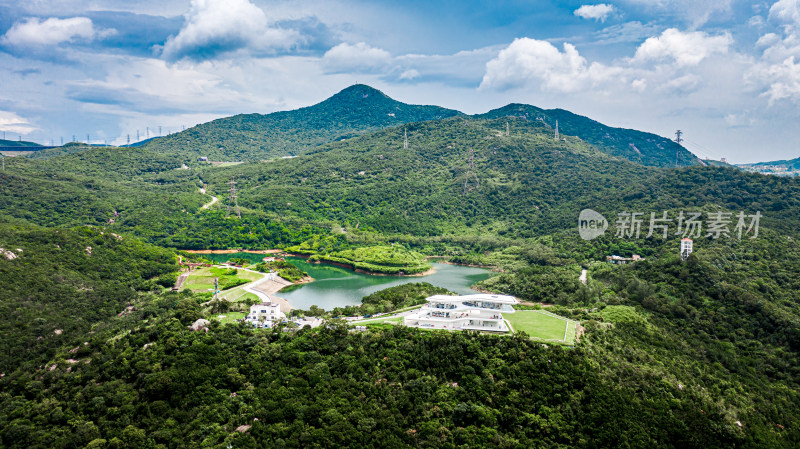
(359, 94)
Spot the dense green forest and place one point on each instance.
(59, 283)
(96, 352)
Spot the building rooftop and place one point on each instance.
(484, 297)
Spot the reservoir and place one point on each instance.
(335, 286)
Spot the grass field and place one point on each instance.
(230, 317)
(380, 320)
(543, 325)
(202, 280)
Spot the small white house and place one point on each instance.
(265, 315)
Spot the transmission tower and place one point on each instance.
(508, 129)
(556, 129)
(405, 139)
(678, 140)
(471, 175)
(232, 200)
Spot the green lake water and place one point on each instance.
(335, 286)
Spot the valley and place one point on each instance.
(702, 352)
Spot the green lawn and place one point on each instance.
(538, 324)
(202, 280)
(380, 320)
(230, 317)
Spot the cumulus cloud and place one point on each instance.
(599, 12)
(217, 27)
(782, 80)
(34, 32)
(409, 74)
(530, 61)
(685, 48)
(13, 123)
(786, 12)
(358, 57)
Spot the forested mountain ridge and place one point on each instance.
(251, 137)
(637, 146)
(360, 109)
(522, 185)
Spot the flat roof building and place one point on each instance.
(481, 312)
(265, 314)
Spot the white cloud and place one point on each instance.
(11, 122)
(786, 12)
(685, 48)
(783, 80)
(768, 40)
(529, 61)
(358, 57)
(52, 31)
(217, 27)
(409, 74)
(599, 12)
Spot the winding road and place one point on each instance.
(213, 198)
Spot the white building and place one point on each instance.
(481, 312)
(265, 314)
(686, 248)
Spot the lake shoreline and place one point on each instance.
(232, 251)
(360, 270)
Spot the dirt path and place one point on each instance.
(180, 281)
(582, 277)
(207, 205)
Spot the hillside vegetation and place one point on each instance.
(250, 137)
(699, 353)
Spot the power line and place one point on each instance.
(232, 199)
(471, 173)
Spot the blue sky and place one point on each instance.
(725, 72)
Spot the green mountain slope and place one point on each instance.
(637, 146)
(523, 185)
(249, 137)
(57, 283)
(19, 143)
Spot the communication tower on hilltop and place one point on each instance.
(232, 200)
(556, 129)
(508, 129)
(471, 176)
(405, 139)
(686, 248)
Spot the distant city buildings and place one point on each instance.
(775, 169)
